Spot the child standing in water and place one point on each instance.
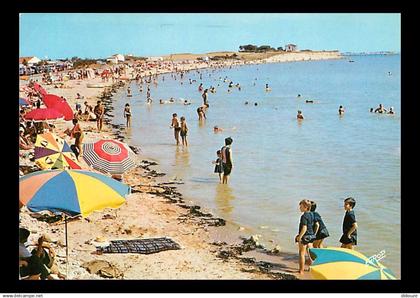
(349, 237)
(306, 234)
(320, 230)
(127, 114)
(183, 131)
(218, 168)
(175, 126)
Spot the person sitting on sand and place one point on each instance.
(30, 266)
(46, 254)
(299, 115)
(341, 110)
(24, 143)
(306, 234)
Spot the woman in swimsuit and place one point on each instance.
(127, 114)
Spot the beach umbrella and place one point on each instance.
(43, 114)
(38, 88)
(23, 102)
(343, 263)
(71, 192)
(109, 156)
(52, 152)
(57, 103)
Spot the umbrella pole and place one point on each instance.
(67, 247)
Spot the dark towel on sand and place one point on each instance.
(143, 246)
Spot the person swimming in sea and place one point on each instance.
(391, 111)
(267, 88)
(341, 110)
(380, 109)
(217, 129)
(299, 115)
(309, 101)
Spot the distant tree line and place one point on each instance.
(258, 49)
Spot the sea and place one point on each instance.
(279, 160)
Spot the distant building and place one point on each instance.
(290, 47)
(154, 59)
(29, 60)
(116, 58)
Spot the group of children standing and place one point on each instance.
(312, 230)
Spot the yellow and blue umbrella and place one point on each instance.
(71, 192)
(343, 263)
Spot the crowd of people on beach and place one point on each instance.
(312, 230)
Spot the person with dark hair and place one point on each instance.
(227, 161)
(183, 131)
(204, 96)
(320, 230)
(306, 234)
(341, 110)
(30, 266)
(176, 127)
(349, 237)
(99, 111)
(127, 114)
(300, 115)
(77, 133)
(219, 166)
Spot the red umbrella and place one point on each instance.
(57, 103)
(43, 114)
(39, 89)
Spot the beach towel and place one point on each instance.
(142, 246)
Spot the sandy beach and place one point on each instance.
(209, 250)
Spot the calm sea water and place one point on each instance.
(277, 160)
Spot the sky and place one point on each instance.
(100, 35)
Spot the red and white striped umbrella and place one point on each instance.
(110, 156)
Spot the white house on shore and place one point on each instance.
(116, 58)
(29, 60)
(290, 47)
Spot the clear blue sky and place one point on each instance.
(101, 35)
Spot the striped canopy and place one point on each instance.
(71, 192)
(52, 152)
(343, 263)
(109, 156)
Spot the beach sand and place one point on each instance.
(208, 251)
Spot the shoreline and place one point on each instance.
(201, 256)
